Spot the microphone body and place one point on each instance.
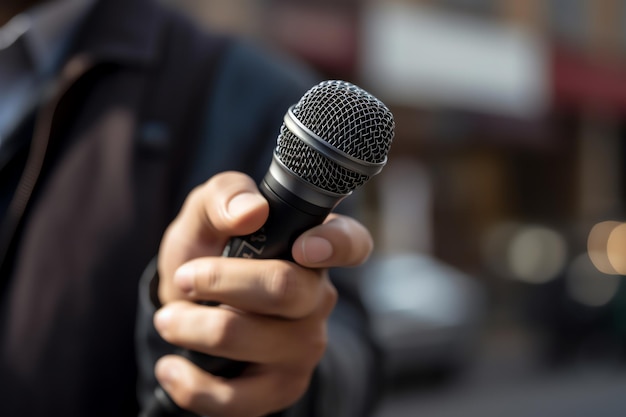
(289, 216)
(331, 142)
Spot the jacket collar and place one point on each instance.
(125, 31)
(49, 27)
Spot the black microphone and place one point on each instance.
(331, 142)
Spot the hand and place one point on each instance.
(272, 313)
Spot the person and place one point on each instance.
(131, 143)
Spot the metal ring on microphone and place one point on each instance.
(313, 140)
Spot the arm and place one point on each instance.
(343, 379)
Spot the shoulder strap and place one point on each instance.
(177, 95)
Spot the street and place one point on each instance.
(505, 381)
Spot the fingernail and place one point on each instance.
(316, 249)
(184, 278)
(162, 319)
(243, 203)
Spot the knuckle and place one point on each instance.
(284, 285)
(312, 344)
(184, 397)
(208, 277)
(195, 194)
(167, 334)
(175, 234)
(185, 392)
(331, 296)
(223, 331)
(163, 322)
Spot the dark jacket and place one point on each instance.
(146, 107)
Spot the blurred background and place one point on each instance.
(496, 287)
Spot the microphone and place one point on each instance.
(331, 142)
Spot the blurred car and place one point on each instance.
(427, 315)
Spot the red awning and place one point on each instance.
(580, 80)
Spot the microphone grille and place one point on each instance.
(347, 118)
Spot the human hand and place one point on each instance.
(272, 313)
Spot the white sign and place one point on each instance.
(414, 55)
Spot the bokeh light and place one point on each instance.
(597, 243)
(588, 285)
(533, 254)
(616, 249)
(537, 254)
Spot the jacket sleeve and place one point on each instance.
(245, 110)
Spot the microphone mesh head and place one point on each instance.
(347, 118)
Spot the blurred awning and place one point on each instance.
(581, 80)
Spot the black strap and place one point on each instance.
(177, 98)
(177, 95)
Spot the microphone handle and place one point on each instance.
(289, 216)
